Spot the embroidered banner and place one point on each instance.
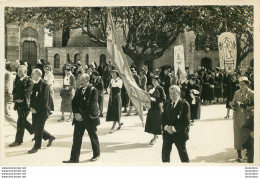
(227, 51)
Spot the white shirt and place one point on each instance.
(49, 78)
(66, 80)
(35, 82)
(176, 102)
(22, 78)
(116, 82)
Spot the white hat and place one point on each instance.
(243, 79)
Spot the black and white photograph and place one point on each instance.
(159, 84)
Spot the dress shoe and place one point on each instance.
(50, 141)
(70, 161)
(33, 150)
(94, 158)
(61, 119)
(119, 127)
(14, 144)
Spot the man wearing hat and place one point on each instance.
(99, 85)
(218, 85)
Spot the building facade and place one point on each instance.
(27, 43)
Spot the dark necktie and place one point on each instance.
(173, 104)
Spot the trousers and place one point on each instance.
(38, 124)
(22, 124)
(167, 148)
(79, 129)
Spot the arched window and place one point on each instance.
(56, 61)
(29, 32)
(76, 57)
(68, 57)
(102, 58)
(87, 60)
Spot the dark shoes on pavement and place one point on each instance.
(119, 127)
(94, 158)
(14, 144)
(50, 141)
(61, 119)
(33, 150)
(70, 161)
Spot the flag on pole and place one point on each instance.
(138, 96)
(227, 51)
(179, 63)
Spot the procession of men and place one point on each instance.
(145, 87)
(31, 94)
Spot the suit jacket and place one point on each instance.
(41, 99)
(22, 90)
(86, 104)
(179, 119)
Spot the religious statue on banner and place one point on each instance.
(227, 51)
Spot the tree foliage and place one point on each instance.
(147, 31)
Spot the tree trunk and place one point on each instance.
(139, 64)
(65, 36)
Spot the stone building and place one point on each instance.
(28, 43)
(24, 42)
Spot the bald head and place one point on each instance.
(175, 92)
(22, 71)
(36, 74)
(84, 79)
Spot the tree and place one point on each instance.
(147, 31)
(218, 19)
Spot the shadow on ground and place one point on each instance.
(227, 156)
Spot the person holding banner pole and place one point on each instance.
(115, 102)
(153, 121)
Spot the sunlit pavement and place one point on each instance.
(211, 141)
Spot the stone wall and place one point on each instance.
(12, 44)
(93, 53)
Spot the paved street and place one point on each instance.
(211, 141)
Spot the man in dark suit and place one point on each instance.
(21, 97)
(175, 124)
(41, 105)
(85, 110)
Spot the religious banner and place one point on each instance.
(138, 96)
(227, 51)
(179, 63)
